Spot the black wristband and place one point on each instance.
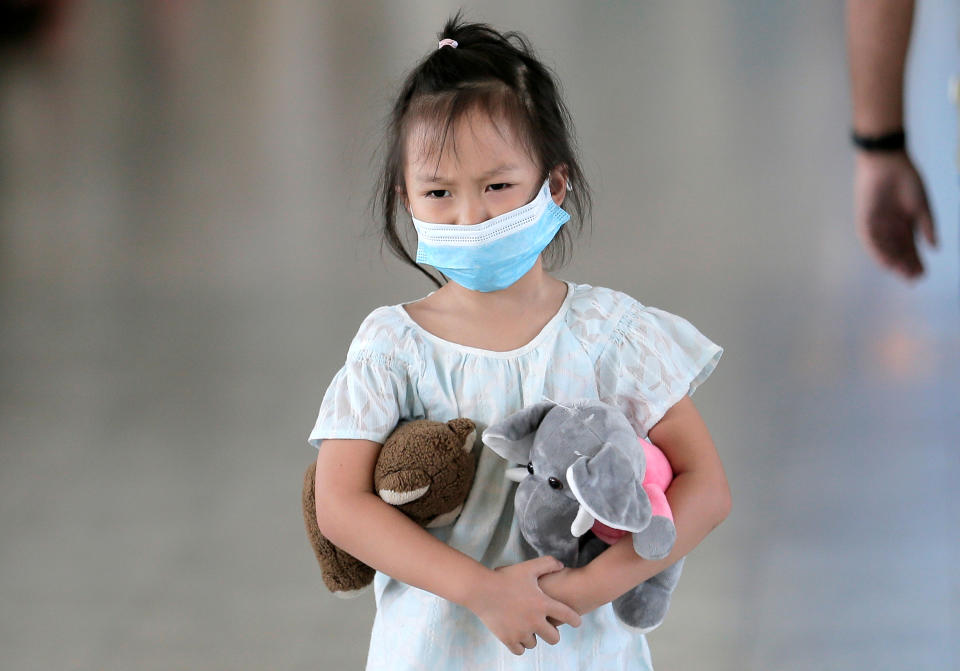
(894, 141)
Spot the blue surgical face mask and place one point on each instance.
(495, 253)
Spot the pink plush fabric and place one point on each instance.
(608, 535)
(656, 479)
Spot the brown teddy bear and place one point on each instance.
(425, 469)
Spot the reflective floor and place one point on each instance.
(185, 254)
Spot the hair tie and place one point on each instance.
(447, 42)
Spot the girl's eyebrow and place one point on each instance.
(440, 179)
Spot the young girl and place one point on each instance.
(480, 157)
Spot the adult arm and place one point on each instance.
(878, 34)
(890, 203)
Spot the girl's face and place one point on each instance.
(487, 174)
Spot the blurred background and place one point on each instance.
(186, 251)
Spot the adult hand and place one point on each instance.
(890, 205)
(514, 608)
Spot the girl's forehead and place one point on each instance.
(475, 139)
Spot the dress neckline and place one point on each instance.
(506, 354)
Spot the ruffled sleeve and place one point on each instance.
(653, 360)
(372, 391)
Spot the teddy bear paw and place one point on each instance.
(352, 593)
(445, 519)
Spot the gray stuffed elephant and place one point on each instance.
(588, 480)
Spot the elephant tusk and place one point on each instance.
(517, 474)
(582, 523)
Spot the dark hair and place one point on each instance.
(499, 75)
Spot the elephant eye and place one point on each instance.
(556, 484)
(530, 467)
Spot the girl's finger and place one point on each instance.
(548, 634)
(546, 564)
(564, 613)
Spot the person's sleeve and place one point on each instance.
(365, 400)
(652, 360)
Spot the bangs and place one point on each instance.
(433, 117)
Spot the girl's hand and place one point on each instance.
(568, 586)
(514, 608)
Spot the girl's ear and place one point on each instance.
(559, 183)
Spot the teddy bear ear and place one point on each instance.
(465, 430)
(512, 438)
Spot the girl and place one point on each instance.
(480, 157)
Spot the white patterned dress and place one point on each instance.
(602, 344)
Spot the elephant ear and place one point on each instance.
(608, 487)
(512, 437)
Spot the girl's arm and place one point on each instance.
(350, 514)
(699, 497)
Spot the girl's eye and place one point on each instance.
(437, 193)
(498, 187)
